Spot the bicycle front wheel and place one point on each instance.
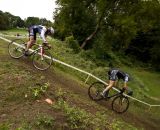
(95, 90)
(120, 104)
(42, 62)
(16, 48)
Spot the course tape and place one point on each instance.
(89, 74)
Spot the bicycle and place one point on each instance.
(120, 103)
(41, 58)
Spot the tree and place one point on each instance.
(74, 18)
(14, 21)
(4, 22)
(45, 22)
(32, 21)
(122, 27)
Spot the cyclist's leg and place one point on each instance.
(32, 39)
(112, 81)
(30, 42)
(106, 90)
(29, 45)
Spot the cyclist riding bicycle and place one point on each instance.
(114, 75)
(43, 32)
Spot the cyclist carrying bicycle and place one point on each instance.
(114, 75)
(43, 32)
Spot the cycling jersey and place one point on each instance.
(38, 29)
(115, 74)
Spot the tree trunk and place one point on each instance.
(94, 33)
(97, 27)
(90, 37)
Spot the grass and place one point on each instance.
(78, 118)
(142, 81)
(15, 70)
(19, 109)
(14, 32)
(140, 77)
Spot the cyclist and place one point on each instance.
(43, 32)
(114, 75)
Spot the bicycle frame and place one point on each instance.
(40, 48)
(115, 95)
(120, 102)
(39, 54)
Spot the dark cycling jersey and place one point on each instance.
(38, 29)
(115, 74)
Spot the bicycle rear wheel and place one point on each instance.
(16, 48)
(95, 90)
(42, 62)
(120, 104)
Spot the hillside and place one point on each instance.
(23, 106)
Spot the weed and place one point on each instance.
(45, 121)
(39, 90)
(99, 121)
(118, 125)
(24, 127)
(4, 126)
(60, 94)
(78, 118)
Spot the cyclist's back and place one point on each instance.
(37, 28)
(115, 74)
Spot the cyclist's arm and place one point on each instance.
(126, 79)
(42, 35)
(125, 85)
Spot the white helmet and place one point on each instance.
(51, 30)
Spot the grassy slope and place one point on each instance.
(67, 55)
(21, 109)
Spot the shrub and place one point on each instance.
(45, 121)
(78, 118)
(72, 43)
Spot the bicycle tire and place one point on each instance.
(120, 104)
(95, 89)
(15, 51)
(40, 64)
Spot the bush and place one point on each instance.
(72, 43)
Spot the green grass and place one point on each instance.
(14, 31)
(145, 83)
(18, 99)
(151, 81)
(142, 80)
